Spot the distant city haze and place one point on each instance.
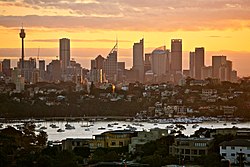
(84, 55)
(221, 27)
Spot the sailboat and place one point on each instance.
(86, 125)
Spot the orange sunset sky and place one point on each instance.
(221, 26)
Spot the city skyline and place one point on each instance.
(223, 28)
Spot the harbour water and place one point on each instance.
(83, 129)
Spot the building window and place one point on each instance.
(233, 154)
(248, 148)
(223, 147)
(113, 143)
(224, 154)
(232, 148)
(248, 155)
(120, 143)
(78, 143)
(200, 144)
(187, 151)
(73, 143)
(202, 152)
(195, 152)
(99, 144)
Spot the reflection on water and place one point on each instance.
(80, 129)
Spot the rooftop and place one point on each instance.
(237, 142)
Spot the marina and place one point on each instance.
(59, 130)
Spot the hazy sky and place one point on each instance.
(221, 26)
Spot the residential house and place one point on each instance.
(235, 149)
(146, 136)
(190, 148)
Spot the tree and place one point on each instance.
(153, 160)
(84, 152)
(42, 138)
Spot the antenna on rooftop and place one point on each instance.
(38, 53)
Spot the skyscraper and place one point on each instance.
(191, 64)
(64, 53)
(22, 36)
(138, 60)
(199, 62)
(176, 55)
(147, 63)
(54, 71)
(6, 67)
(217, 62)
(110, 65)
(229, 65)
(42, 69)
(160, 62)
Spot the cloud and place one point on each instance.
(139, 15)
(218, 36)
(80, 40)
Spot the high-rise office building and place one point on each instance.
(138, 59)
(1, 67)
(160, 61)
(206, 72)
(199, 62)
(42, 70)
(95, 75)
(234, 76)
(192, 64)
(110, 65)
(64, 52)
(6, 67)
(217, 62)
(229, 66)
(42, 65)
(176, 56)
(54, 71)
(121, 71)
(148, 61)
(28, 67)
(99, 62)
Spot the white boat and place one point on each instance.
(86, 125)
(69, 127)
(54, 126)
(195, 126)
(129, 127)
(170, 126)
(110, 126)
(43, 128)
(101, 128)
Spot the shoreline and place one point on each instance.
(118, 118)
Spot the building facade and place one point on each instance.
(64, 51)
(138, 59)
(176, 55)
(190, 148)
(236, 149)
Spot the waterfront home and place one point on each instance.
(146, 136)
(236, 150)
(112, 139)
(190, 148)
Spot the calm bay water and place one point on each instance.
(80, 132)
